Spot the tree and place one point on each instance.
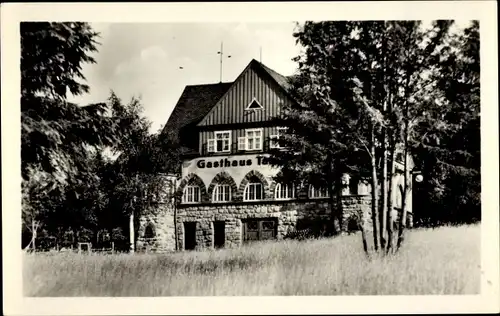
(69, 183)
(135, 181)
(323, 140)
(448, 141)
(56, 134)
(362, 90)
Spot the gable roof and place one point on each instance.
(196, 101)
(283, 81)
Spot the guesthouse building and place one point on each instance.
(226, 187)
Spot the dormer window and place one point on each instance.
(221, 142)
(254, 105)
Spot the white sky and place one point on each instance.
(143, 59)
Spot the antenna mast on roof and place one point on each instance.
(221, 53)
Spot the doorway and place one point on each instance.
(219, 234)
(189, 235)
(260, 229)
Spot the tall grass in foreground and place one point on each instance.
(440, 261)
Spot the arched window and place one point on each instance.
(254, 190)
(221, 193)
(191, 194)
(318, 192)
(284, 191)
(149, 232)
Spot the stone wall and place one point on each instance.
(161, 221)
(289, 215)
(356, 212)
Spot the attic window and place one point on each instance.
(254, 105)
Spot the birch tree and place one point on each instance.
(362, 88)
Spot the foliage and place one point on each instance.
(70, 180)
(56, 135)
(449, 141)
(369, 91)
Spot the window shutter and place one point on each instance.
(211, 145)
(241, 143)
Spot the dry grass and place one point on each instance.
(440, 261)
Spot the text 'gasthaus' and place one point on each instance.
(227, 163)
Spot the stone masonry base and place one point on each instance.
(289, 216)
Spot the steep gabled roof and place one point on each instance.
(283, 81)
(195, 102)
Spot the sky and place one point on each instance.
(144, 59)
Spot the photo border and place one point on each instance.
(13, 13)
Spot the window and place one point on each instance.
(284, 191)
(242, 143)
(191, 194)
(253, 192)
(254, 105)
(353, 186)
(315, 193)
(221, 142)
(275, 138)
(149, 231)
(222, 193)
(253, 139)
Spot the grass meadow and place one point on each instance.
(445, 260)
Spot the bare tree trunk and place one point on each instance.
(383, 189)
(173, 200)
(333, 208)
(375, 217)
(338, 194)
(131, 232)
(331, 194)
(390, 220)
(33, 235)
(361, 226)
(383, 180)
(402, 224)
(75, 238)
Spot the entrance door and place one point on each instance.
(260, 229)
(219, 234)
(189, 235)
